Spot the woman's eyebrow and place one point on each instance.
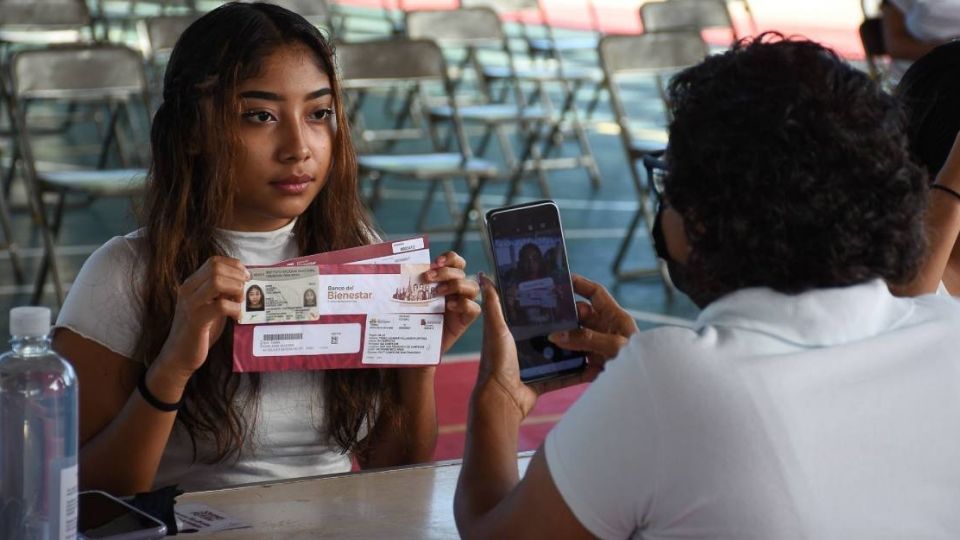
(271, 96)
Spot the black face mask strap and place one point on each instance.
(659, 240)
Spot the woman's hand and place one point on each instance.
(460, 292)
(204, 301)
(605, 326)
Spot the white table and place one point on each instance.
(410, 502)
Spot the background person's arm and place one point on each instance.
(899, 42)
(942, 224)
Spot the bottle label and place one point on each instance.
(69, 485)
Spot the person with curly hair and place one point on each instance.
(930, 92)
(806, 401)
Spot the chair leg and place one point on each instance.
(425, 207)
(9, 242)
(471, 206)
(49, 263)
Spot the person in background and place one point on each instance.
(252, 164)
(806, 400)
(912, 28)
(930, 92)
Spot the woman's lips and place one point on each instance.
(293, 185)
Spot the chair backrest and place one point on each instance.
(369, 63)
(78, 72)
(673, 15)
(502, 6)
(47, 14)
(315, 11)
(651, 53)
(464, 27)
(44, 21)
(391, 62)
(160, 34)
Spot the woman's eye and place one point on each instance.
(322, 114)
(258, 116)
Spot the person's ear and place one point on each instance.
(675, 235)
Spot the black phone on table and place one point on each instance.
(530, 260)
(103, 516)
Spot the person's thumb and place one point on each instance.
(493, 321)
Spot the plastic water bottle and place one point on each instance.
(38, 434)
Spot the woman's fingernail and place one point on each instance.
(432, 274)
(441, 259)
(560, 336)
(246, 274)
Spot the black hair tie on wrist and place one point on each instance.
(152, 399)
(945, 189)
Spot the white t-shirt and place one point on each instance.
(833, 414)
(104, 306)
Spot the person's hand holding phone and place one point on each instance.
(608, 328)
(605, 326)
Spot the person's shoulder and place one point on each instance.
(941, 307)
(119, 251)
(104, 303)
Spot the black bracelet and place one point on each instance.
(152, 399)
(945, 189)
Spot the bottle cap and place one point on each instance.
(30, 321)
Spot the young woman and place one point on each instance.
(250, 167)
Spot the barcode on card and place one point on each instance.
(292, 336)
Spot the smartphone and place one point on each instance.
(530, 259)
(104, 516)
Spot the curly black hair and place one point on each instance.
(791, 171)
(930, 90)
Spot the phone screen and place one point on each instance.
(103, 516)
(534, 280)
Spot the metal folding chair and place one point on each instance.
(475, 30)
(109, 74)
(158, 35)
(689, 15)
(33, 23)
(392, 63)
(626, 58)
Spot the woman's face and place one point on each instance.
(286, 133)
(254, 296)
(310, 296)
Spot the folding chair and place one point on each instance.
(316, 11)
(109, 74)
(33, 23)
(625, 58)
(690, 15)
(42, 22)
(547, 46)
(478, 29)
(401, 62)
(158, 35)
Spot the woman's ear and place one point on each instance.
(675, 235)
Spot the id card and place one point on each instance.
(287, 294)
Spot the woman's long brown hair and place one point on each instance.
(190, 194)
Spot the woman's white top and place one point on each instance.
(104, 306)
